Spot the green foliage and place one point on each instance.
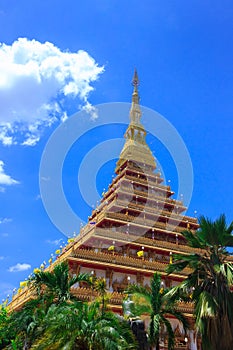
(56, 285)
(82, 326)
(7, 332)
(210, 281)
(154, 302)
(56, 320)
(99, 284)
(26, 322)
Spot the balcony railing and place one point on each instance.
(144, 241)
(155, 211)
(125, 261)
(21, 298)
(152, 196)
(116, 298)
(147, 223)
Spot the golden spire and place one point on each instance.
(136, 148)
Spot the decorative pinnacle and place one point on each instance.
(135, 81)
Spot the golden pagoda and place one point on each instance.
(134, 230)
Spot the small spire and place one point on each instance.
(135, 83)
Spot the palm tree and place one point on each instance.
(210, 281)
(99, 284)
(153, 301)
(81, 326)
(56, 285)
(26, 321)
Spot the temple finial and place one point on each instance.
(135, 81)
(136, 148)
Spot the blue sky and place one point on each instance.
(183, 52)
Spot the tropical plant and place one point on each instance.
(7, 332)
(99, 284)
(56, 285)
(153, 301)
(25, 323)
(82, 326)
(210, 281)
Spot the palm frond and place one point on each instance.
(154, 328)
(136, 288)
(193, 240)
(170, 333)
(205, 307)
(181, 261)
(179, 316)
(140, 305)
(227, 271)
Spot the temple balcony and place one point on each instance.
(151, 196)
(20, 298)
(122, 262)
(146, 223)
(118, 235)
(116, 298)
(154, 211)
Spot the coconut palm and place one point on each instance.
(154, 302)
(210, 281)
(81, 326)
(56, 285)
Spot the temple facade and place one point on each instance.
(133, 232)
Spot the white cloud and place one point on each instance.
(31, 140)
(5, 220)
(92, 110)
(35, 81)
(54, 242)
(5, 129)
(64, 116)
(19, 267)
(5, 179)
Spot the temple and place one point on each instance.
(134, 230)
